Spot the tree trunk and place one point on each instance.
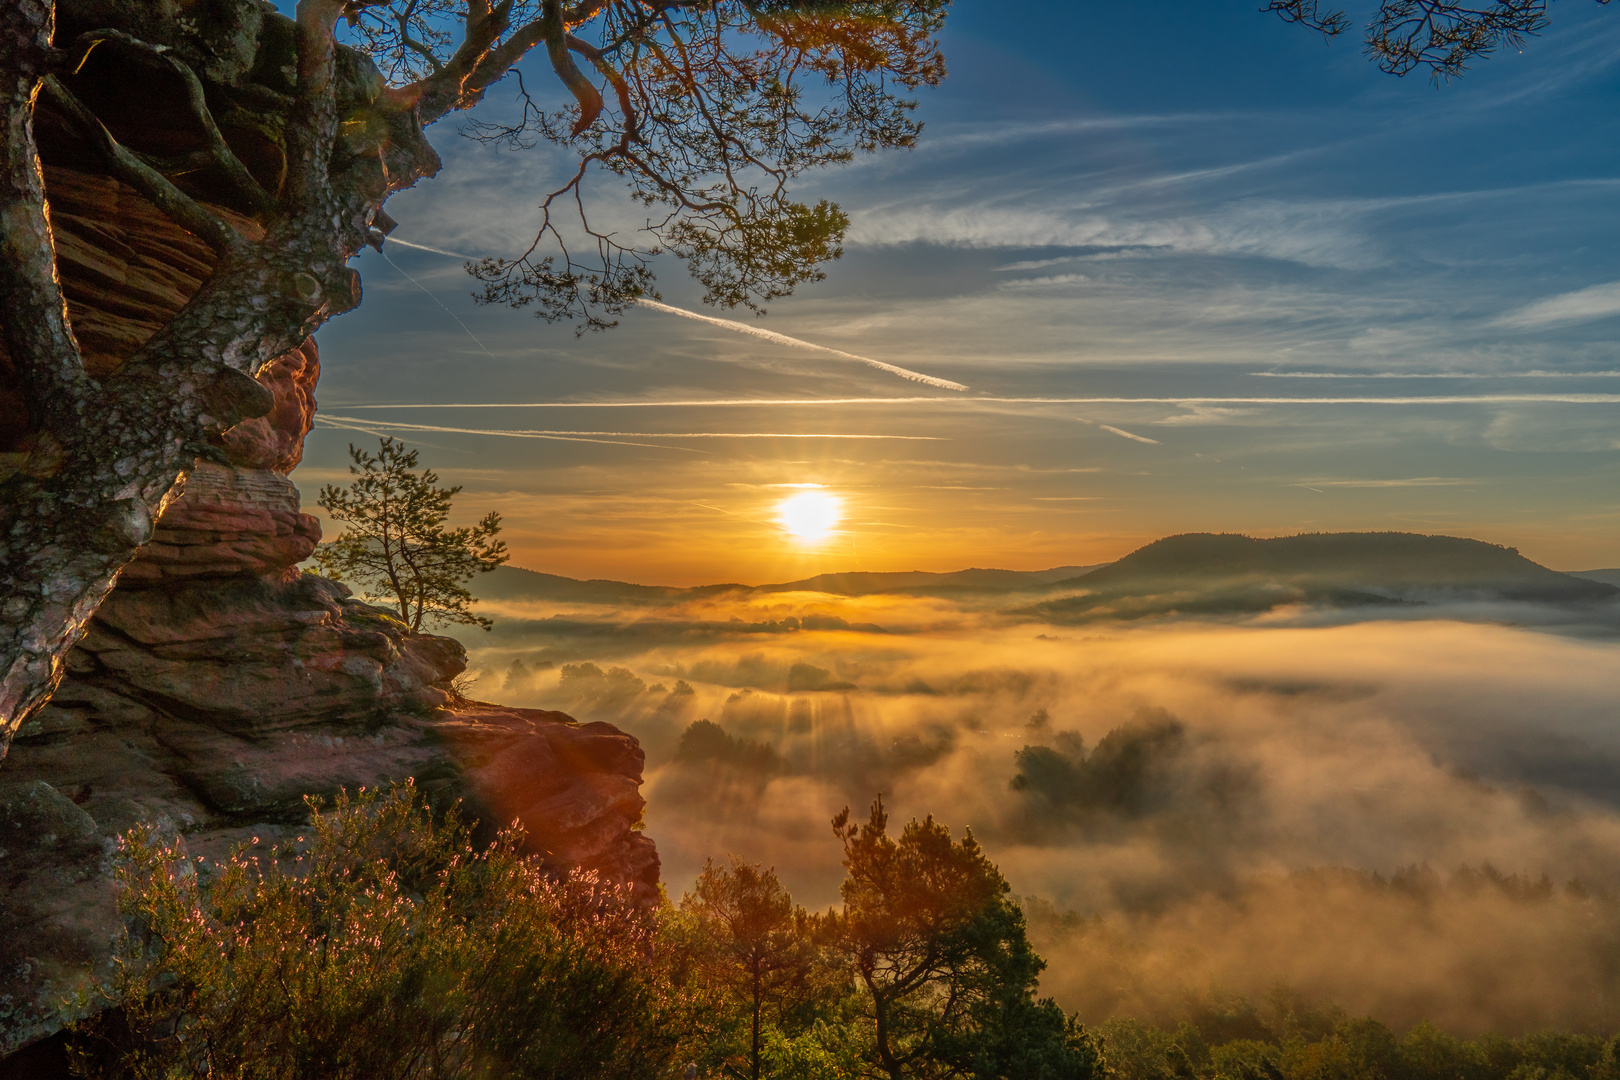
(753, 1058)
(106, 452)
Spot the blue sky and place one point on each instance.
(1162, 213)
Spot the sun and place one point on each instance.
(810, 516)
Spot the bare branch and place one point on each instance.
(180, 207)
(503, 57)
(1329, 24)
(1438, 34)
(710, 121)
(457, 84)
(621, 86)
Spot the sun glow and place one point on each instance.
(810, 516)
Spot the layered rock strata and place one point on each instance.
(219, 685)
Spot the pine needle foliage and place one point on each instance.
(946, 972)
(396, 545)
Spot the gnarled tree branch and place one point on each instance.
(180, 207)
(219, 151)
(568, 73)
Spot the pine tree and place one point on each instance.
(396, 546)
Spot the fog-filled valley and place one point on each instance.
(1410, 807)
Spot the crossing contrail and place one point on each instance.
(611, 437)
(783, 339)
(434, 250)
(436, 300)
(709, 403)
(727, 324)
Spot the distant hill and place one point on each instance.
(1195, 573)
(514, 583)
(922, 583)
(1210, 573)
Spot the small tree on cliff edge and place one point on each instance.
(396, 546)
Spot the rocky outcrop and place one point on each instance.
(218, 685)
(230, 522)
(213, 703)
(125, 268)
(276, 441)
(575, 788)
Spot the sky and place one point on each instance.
(1197, 270)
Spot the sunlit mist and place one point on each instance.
(810, 516)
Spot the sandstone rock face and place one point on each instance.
(213, 705)
(218, 685)
(276, 441)
(575, 788)
(229, 522)
(126, 270)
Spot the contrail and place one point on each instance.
(728, 324)
(436, 300)
(436, 251)
(606, 436)
(347, 423)
(1121, 432)
(696, 403)
(326, 423)
(1436, 375)
(783, 339)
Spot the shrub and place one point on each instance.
(382, 945)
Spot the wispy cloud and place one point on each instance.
(1435, 374)
(1313, 232)
(1582, 305)
(1050, 281)
(955, 136)
(1409, 482)
(601, 436)
(1034, 264)
(797, 343)
(1411, 399)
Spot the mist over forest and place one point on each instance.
(1408, 808)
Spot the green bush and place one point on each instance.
(380, 945)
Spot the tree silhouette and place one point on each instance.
(761, 953)
(396, 545)
(1444, 37)
(940, 950)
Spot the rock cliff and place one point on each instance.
(218, 684)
